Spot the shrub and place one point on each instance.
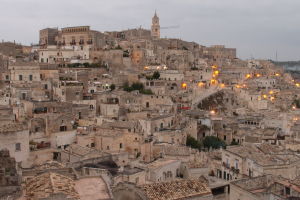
(213, 142)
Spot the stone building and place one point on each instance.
(256, 160)
(15, 138)
(264, 187)
(47, 36)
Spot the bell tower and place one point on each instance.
(155, 28)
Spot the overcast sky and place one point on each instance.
(257, 28)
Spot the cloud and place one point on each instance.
(255, 27)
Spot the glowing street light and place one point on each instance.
(184, 85)
(248, 75)
(216, 72)
(200, 84)
(213, 81)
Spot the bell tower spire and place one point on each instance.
(155, 28)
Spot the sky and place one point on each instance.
(257, 28)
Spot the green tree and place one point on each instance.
(213, 142)
(126, 87)
(156, 75)
(137, 86)
(296, 103)
(86, 64)
(193, 143)
(147, 91)
(112, 87)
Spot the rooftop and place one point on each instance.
(50, 183)
(264, 155)
(12, 127)
(179, 189)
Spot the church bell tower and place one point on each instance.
(155, 28)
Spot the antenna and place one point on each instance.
(276, 56)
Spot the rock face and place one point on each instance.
(10, 180)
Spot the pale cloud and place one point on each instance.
(256, 28)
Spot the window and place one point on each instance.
(91, 107)
(30, 77)
(45, 86)
(92, 144)
(37, 129)
(236, 164)
(63, 128)
(7, 77)
(107, 148)
(121, 145)
(18, 146)
(20, 77)
(287, 191)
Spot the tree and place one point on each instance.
(147, 91)
(86, 64)
(156, 75)
(118, 47)
(193, 143)
(137, 86)
(126, 87)
(213, 142)
(112, 87)
(296, 103)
